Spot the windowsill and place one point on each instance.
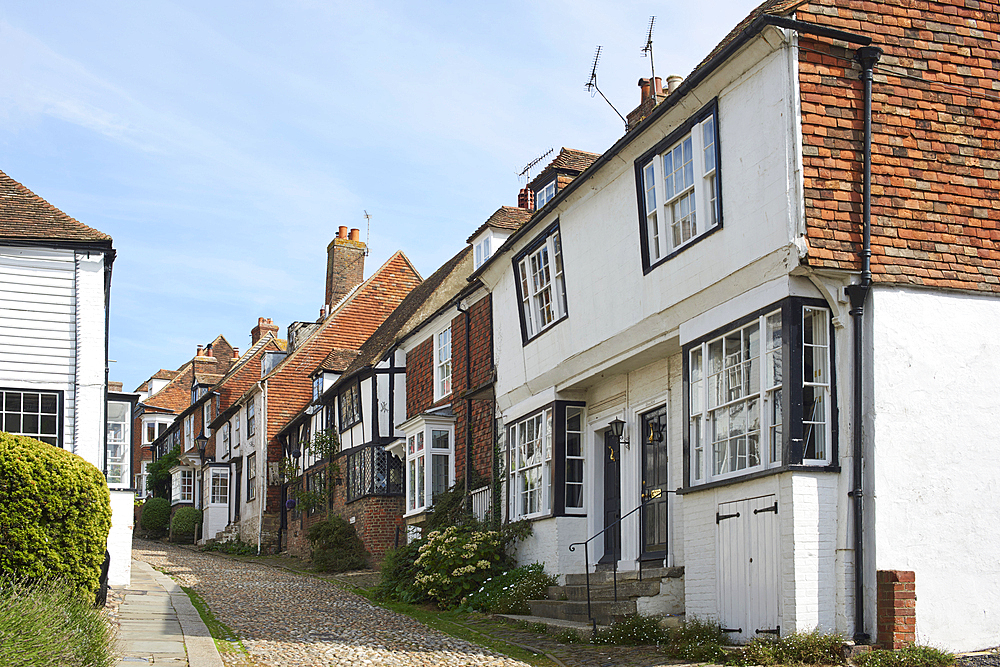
(375, 495)
(673, 253)
(546, 329)
(757, 475)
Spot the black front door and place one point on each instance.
(612, 499)
(237, 486)
(654, 484)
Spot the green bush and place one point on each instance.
(159, 472)
(458, 560)
(156, 515)
(812, 648)
(509, 592)
(184, 523)
(336, 546)
(399, 570)
(49, 624)
(55, 514)
(910, 656)
(632, 631)
(696, 641)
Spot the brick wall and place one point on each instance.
(420, 377)
(935, 167)
(897, 614)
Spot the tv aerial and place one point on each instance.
(528, 167)
(648, 50)
(592, 85)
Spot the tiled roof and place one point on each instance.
(505, 217)
(338, 360)
(164, 374)
(569, 159)
(25, 215)
(382, 340)
(207, 378)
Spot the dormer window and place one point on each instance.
(317, 387)
(482, 251)
(545, 194)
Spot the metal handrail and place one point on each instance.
(586, 555)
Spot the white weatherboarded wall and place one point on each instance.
(936, 416)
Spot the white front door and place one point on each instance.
(748, 568)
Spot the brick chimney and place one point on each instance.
(345, 265)
(651, 94)
(264, 324)
(526, 198)
(115, 386)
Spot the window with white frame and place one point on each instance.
(236, 430)
(541, 284)
(188, 438)
(32, 413)
(574, 459)
(758, 398)
(482, 251)
(251, 420)
(206, 418)
(227, 444)
(679, 188)
(118, 446)
(430, 450)
(184, 486)
(251, 477)
(142, 481)
(442, 364)
(530, 476)
(317, 387)
(350, 406)
(544, 194)
(219, 489)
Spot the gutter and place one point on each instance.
(468, 401)
(867, 57)
(109, 260)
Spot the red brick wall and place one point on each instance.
(935, 183)
(420, 377)
(897, 614)
(481, 363)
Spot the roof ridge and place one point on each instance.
(26, 215)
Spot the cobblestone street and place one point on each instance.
(288, 620)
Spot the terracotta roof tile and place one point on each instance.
(25, 215)
(338, 360)
(568, 160)
(505, 217)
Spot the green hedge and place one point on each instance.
(183, 525)
(55, 514)
(336, 546)
(156, 515)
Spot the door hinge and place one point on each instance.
(774, 631)
(772, 508)
(720, 517)
(732, 629)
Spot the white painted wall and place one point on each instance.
(936, 416)
(549, 544)
(120, 537)
(89, 416)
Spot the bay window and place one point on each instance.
(219, 489)
(372, 471)
(679, 188)
(759, 394)
(540, 284)
(545, 462)
(430, 455)
(119, 443)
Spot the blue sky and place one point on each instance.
(223, 143)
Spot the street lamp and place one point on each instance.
(617, 427)
(202, 443)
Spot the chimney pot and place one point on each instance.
(658, 86)
(236, 353)
(199, 351)
(345, 265)
(342, 232)
(673, 82)
(355, 234)
(526, 199)
(644, 88)
(264, 325)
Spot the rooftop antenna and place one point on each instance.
(368, 231)
(648, 49)
(528, 167)
(592, 85)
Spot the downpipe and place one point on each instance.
(867, 57)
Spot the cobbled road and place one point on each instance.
(288, 620)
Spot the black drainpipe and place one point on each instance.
(867, 57)
(468, 405)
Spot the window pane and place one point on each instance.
(439, 439)
(708, 141)
(439, 474)
(49, 404)
(572, 444)
(12, 402)
(30, 403)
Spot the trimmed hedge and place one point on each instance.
(55, 514)
(156, 515)
(336, 546)
(184, 523)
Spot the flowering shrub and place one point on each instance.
(508, 593)
(457, 560)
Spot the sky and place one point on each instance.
(221, 144)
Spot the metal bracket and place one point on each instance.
(732, 629)
(774, 631)
(720, 517)
(772, 508)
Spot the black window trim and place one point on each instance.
(712, 108)
(60, 410)
(340, 412)
(791, 367)
(538, 241)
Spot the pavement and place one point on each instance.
(160, 626)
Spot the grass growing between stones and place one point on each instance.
(226, 641)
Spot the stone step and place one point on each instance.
(628, 588)
(582, 629)
(604, 612)
(656, 573)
